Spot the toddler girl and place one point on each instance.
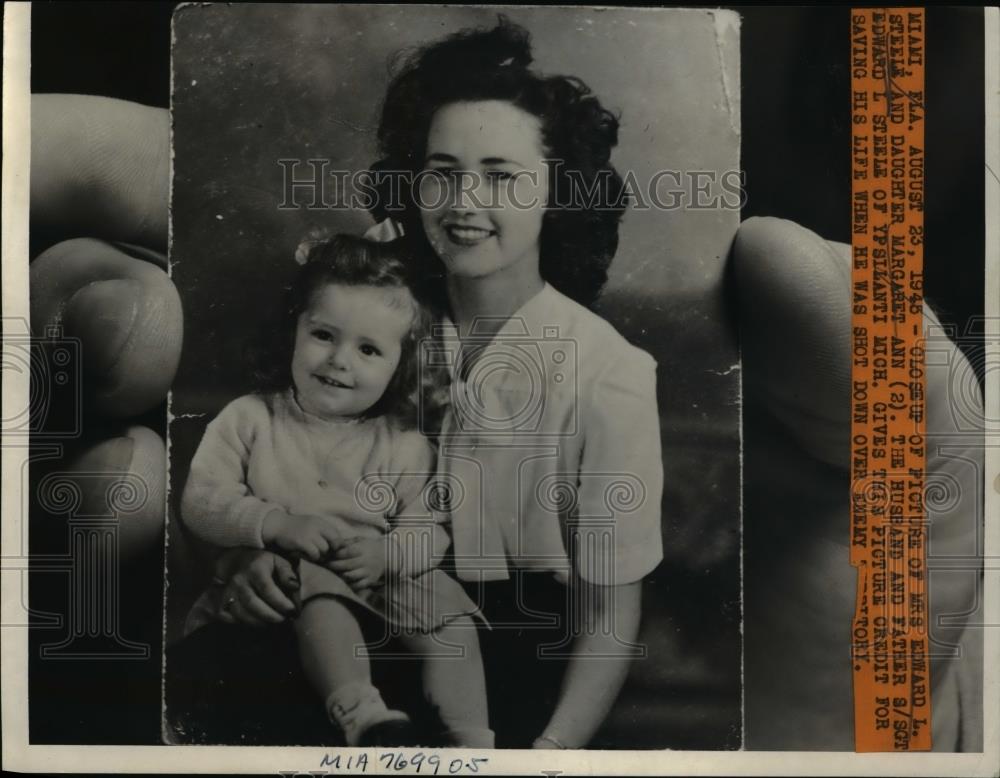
(330, 469)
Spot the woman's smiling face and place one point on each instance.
(484, 189)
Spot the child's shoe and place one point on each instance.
(393, 732)
(359, 711)
(469, 737)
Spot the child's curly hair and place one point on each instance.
(580, 229)
(417, 393)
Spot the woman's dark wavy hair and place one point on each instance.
(580, 230)
(416, 394)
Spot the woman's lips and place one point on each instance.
(467, 236)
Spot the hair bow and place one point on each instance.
(308, 243)
(385, 231)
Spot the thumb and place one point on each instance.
(793, 292)
(285, 573)
(124, 476)
(100, 167)
(125, 313)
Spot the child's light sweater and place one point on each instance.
(264, 454)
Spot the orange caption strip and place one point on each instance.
(889, 648)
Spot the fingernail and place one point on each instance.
(102, 315)
(141, 252)
(120, 452)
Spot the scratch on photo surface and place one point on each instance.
(723, 22)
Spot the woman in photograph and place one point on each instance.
(500, 159)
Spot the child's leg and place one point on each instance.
(335, 661)
(455, 685)
(331, 646)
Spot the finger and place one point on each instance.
(230, 609)
(284, 575)
(332, 538)
(244, 615)
(794, 306)
(263, 586)
(125, 476)
(248, 606)
(262, 612)
(794, 310)
(795, 315)
(126, 314)
(355, 576)
(343, 565)
(955, 455)
(955, 469)
(351, 547)
(100, 167)
(356, 584)
(340, 543)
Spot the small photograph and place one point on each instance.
(454, 443)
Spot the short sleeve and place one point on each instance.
(412, 465)
(417, 527)
(616, 536)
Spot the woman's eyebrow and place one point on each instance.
(439, 157)
(500, 161)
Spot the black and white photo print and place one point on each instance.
(454, 439)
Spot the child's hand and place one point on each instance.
(313, 537)
(362, 562)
